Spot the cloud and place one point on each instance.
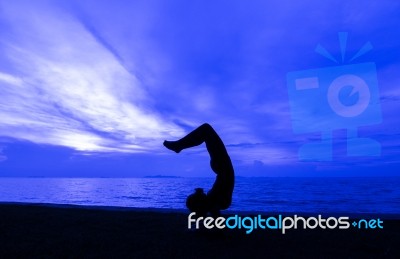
(121, 77)
(10, 79)
(266, 153)
(2, 156)
(66, 88)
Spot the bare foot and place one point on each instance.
(172, 145)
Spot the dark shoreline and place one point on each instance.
(384, 216)
(57, 230)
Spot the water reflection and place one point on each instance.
(322, 195)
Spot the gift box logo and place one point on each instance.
(344, 96)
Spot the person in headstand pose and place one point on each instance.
(220, 195)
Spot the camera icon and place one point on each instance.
(338, 97)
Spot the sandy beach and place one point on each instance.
(51, 231)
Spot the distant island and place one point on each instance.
(162, 176)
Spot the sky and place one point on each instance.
(92, 88)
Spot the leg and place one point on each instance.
(204, 133)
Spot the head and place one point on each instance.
(197, 202)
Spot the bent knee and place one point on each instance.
(207, 126)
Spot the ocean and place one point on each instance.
(271, 195)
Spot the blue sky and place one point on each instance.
(92, 88)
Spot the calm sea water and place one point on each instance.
(311, 195)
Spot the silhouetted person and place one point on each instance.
(220, 195)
